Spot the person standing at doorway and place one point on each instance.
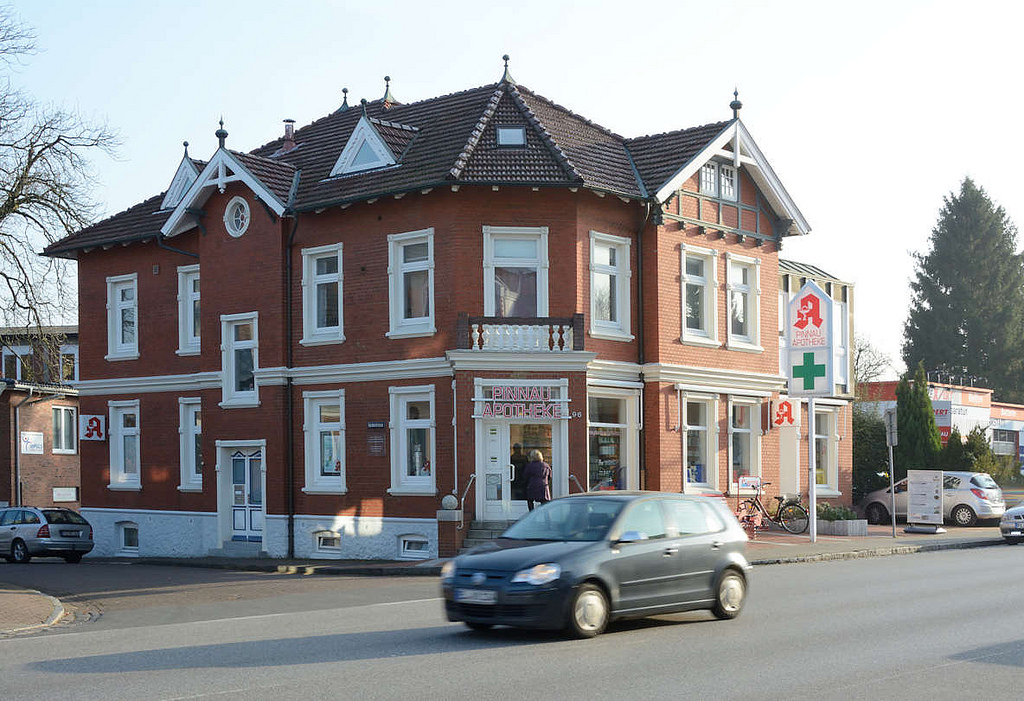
(538, 479)
(518, 460)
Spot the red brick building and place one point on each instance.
(308, 348)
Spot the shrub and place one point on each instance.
(835, 512)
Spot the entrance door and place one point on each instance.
(247, 495)
(506, 447)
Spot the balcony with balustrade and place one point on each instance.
(545, 334)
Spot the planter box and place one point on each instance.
(855, 527)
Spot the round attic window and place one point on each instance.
(236, 216)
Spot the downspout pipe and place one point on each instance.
(289, 402)
(160, 244)
(640, 332)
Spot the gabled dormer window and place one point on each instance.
(180, 183)
(365, 150)
(718, 180)
(511, 136)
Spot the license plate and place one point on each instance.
(71, 534)
(476, 596)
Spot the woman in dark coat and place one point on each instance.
(538, 479)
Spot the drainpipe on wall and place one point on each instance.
(289, 408)
(640, 332)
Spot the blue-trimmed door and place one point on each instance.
(247, 495)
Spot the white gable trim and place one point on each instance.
(745, 152)
(364, 133)
(184, 176)
(222, 169)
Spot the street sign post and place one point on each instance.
(809, 336)
(890, 441)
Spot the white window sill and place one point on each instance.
(412, 332)
(412, 492)
(187, 351)
(322, 340)
(744, 346)
(611, 334)
(113, 357)
(59, 451)
(700, 341)
(127, 553)
(125, 487)
(190, 488)
(239, 404)
(828, 492)
(324, 490)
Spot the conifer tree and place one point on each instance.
(967, 314)
(918, 443)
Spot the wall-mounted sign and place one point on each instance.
(65, 494)
(376, 438)
(92, 427)
(526, 402)
(785, 412)
(31, 443)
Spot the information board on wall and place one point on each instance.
(924, 497)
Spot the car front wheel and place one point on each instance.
(730, 593)
(963, 515)
(588, 612)
(876, 513)
(19, 552)
(74, 558)
(1012, 540)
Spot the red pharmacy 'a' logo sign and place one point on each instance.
(809, 312)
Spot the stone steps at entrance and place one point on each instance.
(480, 532)
(235, 548)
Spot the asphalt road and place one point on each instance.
(933, 625)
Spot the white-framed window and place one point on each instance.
(18, 363)
(511, 135)
(127, 538)
(826, 450)
(719, 180)
(609, 287)
(744, 308)
(1004, 441)
(700, 421)
(744, 439)
(237, 216)
(324, 429)
(190, 443)
(122, 317)
(65, 430)
(327, 542)
(188, 310)
(413, 547)
(841, 346)
(700, 295)
(124, 433)
(412, 440)
(515, 271)
(68, 363)
(239, 359)
(411, 283)
(323, 318)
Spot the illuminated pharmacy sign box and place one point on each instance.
(523, 402)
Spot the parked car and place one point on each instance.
(966, 497)
(27, 532)
(578, 562)
(1011, 525)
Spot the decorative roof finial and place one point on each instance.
(363, 103)
(185, 144)
(344, 98)
(736, 105)
(221, 133)
(388, 98)
(507, 77)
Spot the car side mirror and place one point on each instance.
(631, 537)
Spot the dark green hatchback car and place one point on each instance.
(579, 562)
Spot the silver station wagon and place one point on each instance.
(27, 532)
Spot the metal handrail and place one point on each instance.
(462, 512)
(580, 486)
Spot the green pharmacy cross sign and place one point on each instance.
(809, 370)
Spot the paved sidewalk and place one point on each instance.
(24, 609)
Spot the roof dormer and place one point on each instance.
(366, 149)
(183, 178)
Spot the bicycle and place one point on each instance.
(789, 513)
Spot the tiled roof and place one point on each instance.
(445, 140)
(795, 268)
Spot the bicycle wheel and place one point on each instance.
(793, 518)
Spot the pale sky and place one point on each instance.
(869, 112)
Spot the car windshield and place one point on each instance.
(984, 481)
(63, 516)
(576, 519)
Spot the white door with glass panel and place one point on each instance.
(505, 455)
(247, 495)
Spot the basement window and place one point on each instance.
(512, 136)
(413, 547)
(328, 542)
